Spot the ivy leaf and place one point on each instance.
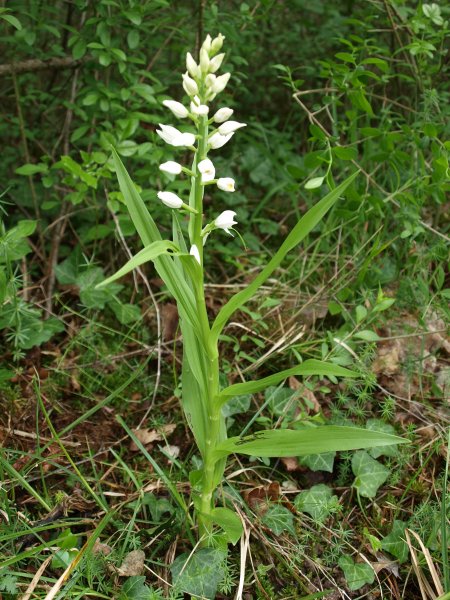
(134, 588)
(395, 543)
(369, 473)
(199, 574)
(237, 405)
(319, 501)
(319, 462)
(278, 519)
(356, 574)
(378, 425)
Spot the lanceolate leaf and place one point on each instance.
(300, 231)
(288, 442)
(229, 522)
(145, 255)
(309, 367)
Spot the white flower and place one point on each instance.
(218, 140)
(226, 184)
(170, 199)
(225, 220)
(207, 170)
(177, 108)
(192, 66)
(174, 137)
(223, 114)
(201, 110)
(195, 253)
(171, 167)
(216, 44)
(210, 81)
(189, 85)
(230, 126)
(207, 43)
(220, 83)
(204, 60)
(214, 63)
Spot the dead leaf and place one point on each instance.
(388, 358)
(259, 498)
(133, 564)
(169, 317)
(148, 436)
(290, 463)
(172, 451)
(100, 548)
(383, 562)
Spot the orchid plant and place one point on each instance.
(179, 262)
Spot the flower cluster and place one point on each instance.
(202, 85)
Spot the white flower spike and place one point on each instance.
(207, 170)
(195, 253)
(207, 44)
(177, 108)
(226, 184)
(217, 140)
(226, 221)
(189, 85)
(171, 167)
(223, 114)
(170, 199)
(230, 126)
(174, 137)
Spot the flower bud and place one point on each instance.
(201, 110)
(170, 199)
(177, 108)
(230, 126)
(174, 137)
(226, 184)
(204, 60)
(217, 140)
(189, 85)
(220, 83)
(223, 114)
(210, 81)
(195, 253)
(207, 44)
(226, 220)
(171, 167)
(214, 63)
(192, 66)
(207, 169)
(216, 44)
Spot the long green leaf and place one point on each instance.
(149, 233)
(309, 367)
(148, 253)
(288, 442)
(300, 231)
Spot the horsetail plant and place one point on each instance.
(180, 265)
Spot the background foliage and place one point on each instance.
(325, 87)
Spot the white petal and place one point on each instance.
(230, 126)
(225, 220)
(226, 184)
(195, 253)
(192, 66)
(189, 85)
(217, 140)
(220, 83)
(223, 114)
(214, 63)
(177, 108)
(171, 167)
(201, 110)
(170, 199)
